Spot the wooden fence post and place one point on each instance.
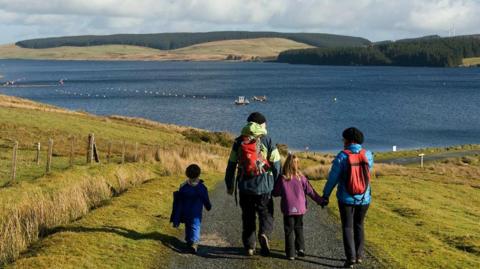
(72, 150)
(14, 162)
(157, 154)
(37, 157)
(109, 151)
(49, 155)
(91, 141)
(123, 152)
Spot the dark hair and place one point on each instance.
(353, 135)
(193, 171)
(257, 117)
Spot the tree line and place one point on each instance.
(435, 52)
(168, 41)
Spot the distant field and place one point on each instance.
(471, 61)
(246, 49)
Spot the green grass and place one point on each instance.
(130, 232)
(424, 218)
(36, 202)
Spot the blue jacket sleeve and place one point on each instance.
(333, 176)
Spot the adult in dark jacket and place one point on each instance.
(254, 191)
(353, 208)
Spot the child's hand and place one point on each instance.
(323, 202)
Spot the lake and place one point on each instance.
(308, 106)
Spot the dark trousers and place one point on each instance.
(352, 217)
(293, 227)
(251, 206)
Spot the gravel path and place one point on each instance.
(221, 245)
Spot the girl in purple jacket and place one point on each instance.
(293, 187)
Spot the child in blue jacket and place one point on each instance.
(188, 205)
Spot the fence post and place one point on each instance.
(135, 156)
(91, 141)
(37, 157)
(72, 150)
(14, 161)
(123, 152)
(157, 154)
(109, 151)
(49, 155)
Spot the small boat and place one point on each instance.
(242, 101)
(260, 98)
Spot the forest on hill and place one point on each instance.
(435, 52)
(169, 41)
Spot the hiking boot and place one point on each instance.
(194, 248)
(301, 253)
(264, 244)
(250, 252)
(348, 264)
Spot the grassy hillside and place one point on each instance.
(474, 61)
(37, 202)
(246, 49)
(433, 52)
(420, 218)
(170, 41)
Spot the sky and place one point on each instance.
(373, 19)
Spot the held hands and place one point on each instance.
(323, 202)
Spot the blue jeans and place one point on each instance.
(192, 230)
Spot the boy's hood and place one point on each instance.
(254, 129)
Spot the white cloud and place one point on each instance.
(373, 19)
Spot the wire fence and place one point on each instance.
(29, 161)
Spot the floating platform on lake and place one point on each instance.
(241, 101)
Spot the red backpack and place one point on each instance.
(358, 172)
(251, 162)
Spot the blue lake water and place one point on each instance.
(407, 107)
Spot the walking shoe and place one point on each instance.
(301, 253)
(291, 258)
(194, 248)
(359, 260)
(348, 264)
(265, 246)
(250, 252)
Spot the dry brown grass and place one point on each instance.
(36, 208)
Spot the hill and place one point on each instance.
(427, 51)
(130, 152)
(245, 49)
(170, 41)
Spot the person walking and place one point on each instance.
(256, 161)
(188, 204)
(351, 172)
(293, 187)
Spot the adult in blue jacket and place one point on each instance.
(353, 208)
(255, 191)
